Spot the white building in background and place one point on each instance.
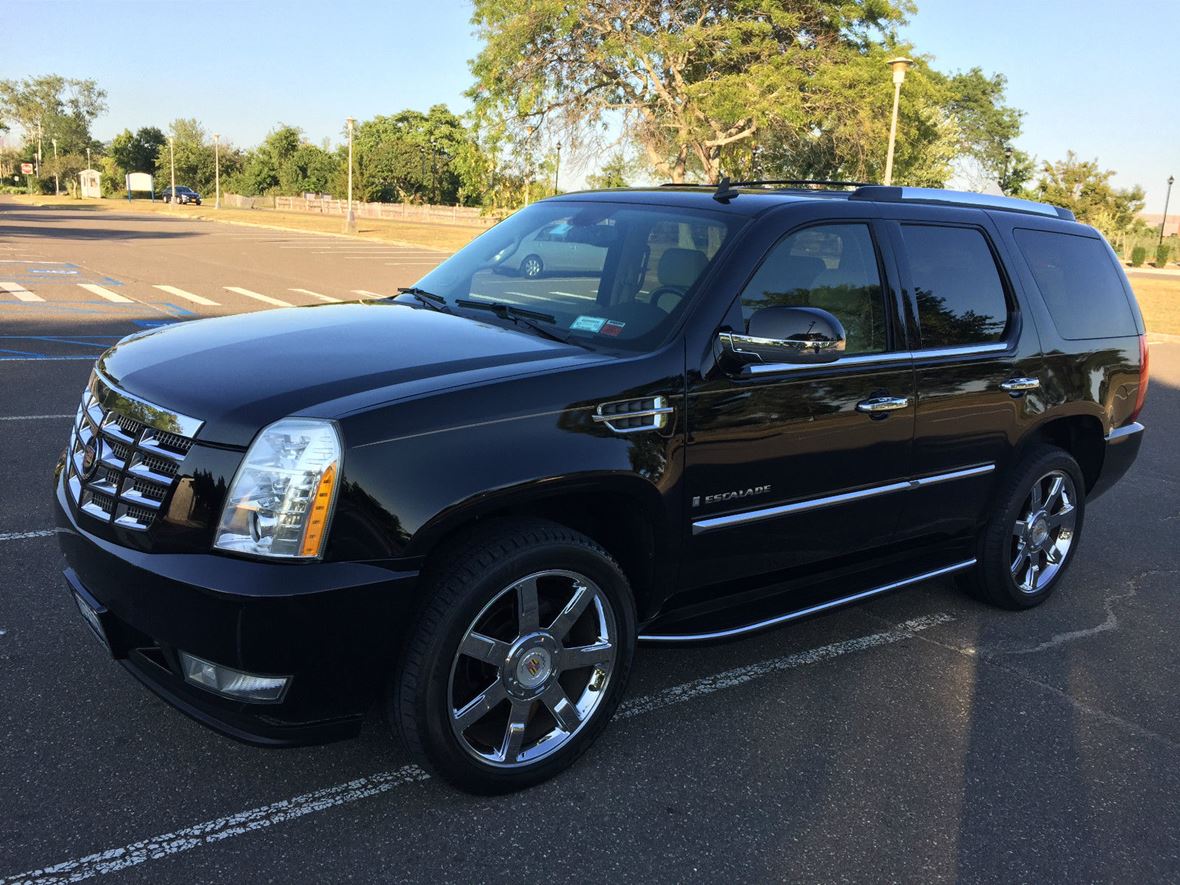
(91, 183)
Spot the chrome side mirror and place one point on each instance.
(792, 335)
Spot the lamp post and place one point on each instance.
(217, 168)
(172, 163)
(40, 140)
(87, 158)
(899, 66)
(57, 181)
(350, 218)
(1167, 199)
(557, 169)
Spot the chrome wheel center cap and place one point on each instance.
(533, 668)
(1039, 531)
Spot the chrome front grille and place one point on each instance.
(124, 455)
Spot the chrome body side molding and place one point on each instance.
(701, 526)
(804, 612)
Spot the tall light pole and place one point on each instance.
(88, 158)
(40, 139)
(217, 168)
(899, 66)
(172, 163)
(57, 181)
(350, 218)
(557, 169)
(1167, 199)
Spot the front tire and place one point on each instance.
(1029, 543)
(532, 266)
(518, 658)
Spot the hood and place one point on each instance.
(240, 373)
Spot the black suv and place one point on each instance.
(469, 501)
(180, 194)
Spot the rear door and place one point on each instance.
(977, 364)
(783, 465)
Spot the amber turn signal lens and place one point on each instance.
(317, 519)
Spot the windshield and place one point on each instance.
(610, 275)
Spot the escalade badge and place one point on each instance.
(735, 495)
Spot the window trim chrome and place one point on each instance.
(870, 359)
(714, 523)
(805, 612)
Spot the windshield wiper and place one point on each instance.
(429, 299)
(522, 316)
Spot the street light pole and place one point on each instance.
(172, 163)
(557, 169)
(87, 158)
(57, 181)
(350, 218)
(217, 168)
(899, 66)
(1167, 199)
(40, 141)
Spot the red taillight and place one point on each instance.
(1142, 394)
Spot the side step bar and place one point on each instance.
(805, 612)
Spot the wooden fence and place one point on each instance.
(469, 216)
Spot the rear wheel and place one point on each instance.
(532, 266)
(518, 659)
(1030, 541)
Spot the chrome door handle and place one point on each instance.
(1019, 385)
(879, 404)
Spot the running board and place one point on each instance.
(803, 613)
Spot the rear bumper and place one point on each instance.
(333, 628)
(1122, 447)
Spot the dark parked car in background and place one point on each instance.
(469, 502)
(181, 195)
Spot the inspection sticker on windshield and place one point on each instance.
(588, 324)
(613, 328)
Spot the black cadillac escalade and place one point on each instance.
(698, 413)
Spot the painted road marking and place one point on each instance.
(115, 860)
(105, 293)
(21, 536)
(31, 417)
(256, 295)
(327, 298)
(20, 292)
(180, 293)
(367, 293)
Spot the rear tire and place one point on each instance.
(532, 266)
(517, 659)
(1030, 541)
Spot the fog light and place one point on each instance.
(230, 682)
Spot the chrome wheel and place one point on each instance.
(531, 266)
(1043, 536)
(532, 668)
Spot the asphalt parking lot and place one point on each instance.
(922, 736)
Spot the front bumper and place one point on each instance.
(1122, 448)
(332, 627)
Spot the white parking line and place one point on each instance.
(105, 293)
(114, 860)
(20, 292)
(367, 293)
(265, 298)
(189, 296)
(327, 298)
(31, 417)
(24, 536)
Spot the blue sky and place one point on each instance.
(1090, 77)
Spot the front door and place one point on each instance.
(786, 464)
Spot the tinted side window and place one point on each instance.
(833, 267)
(1079, 283)
(959, 292)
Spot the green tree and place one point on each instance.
(1083, 187)
(138, 152)
(415, 157)
(51, 107)
(613, 173)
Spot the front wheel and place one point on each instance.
(532, 266)
(518, 659)
(1031, 540)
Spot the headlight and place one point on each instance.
(282, 496)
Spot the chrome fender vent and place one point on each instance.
(634, 415)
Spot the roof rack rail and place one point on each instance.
(885, 194)
(760, 182)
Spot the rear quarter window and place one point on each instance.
(1079, 283)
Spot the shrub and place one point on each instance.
(1138, 256)
(1161, 255)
